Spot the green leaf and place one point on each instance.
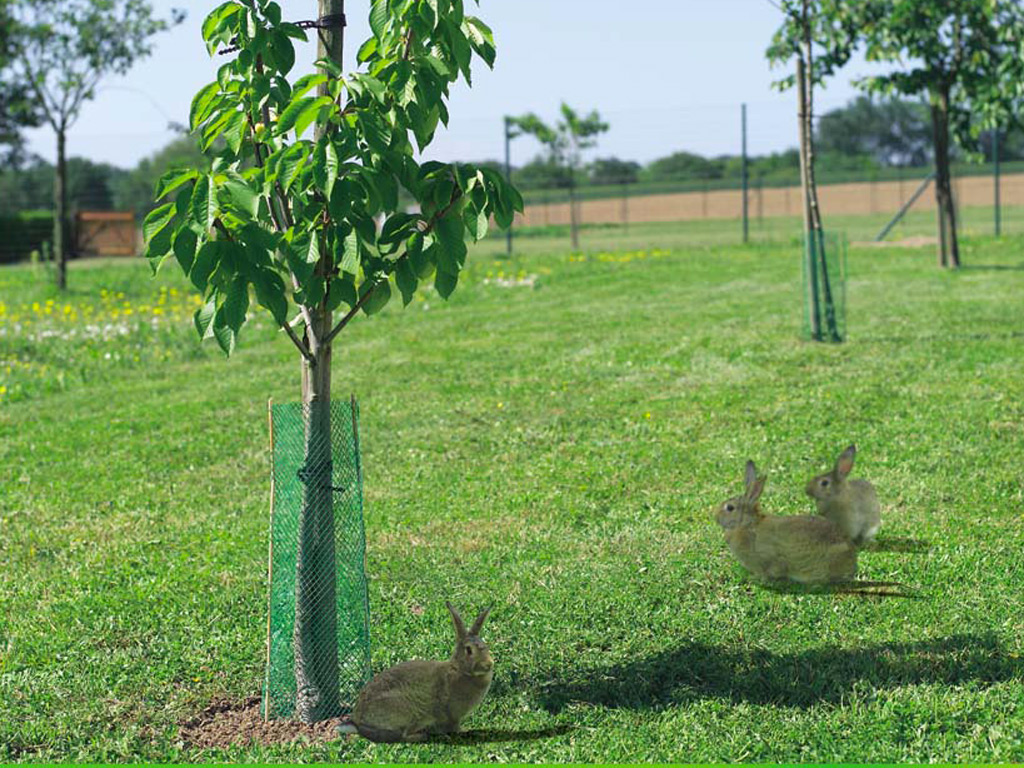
(343, 289)
(291, 164)
(204, 316)
(325, 166)
(218, 18)
(157, 219)
(207, 260)
(451, 254)
(379, 18)
(380, 298)
(185, 244)
(236, 303)
(423, 262)
(305, 84)
(225, 335)
(173, 179)
(375, 130)
(234, 131)
(203, 105)
(367, 50)
(204, 203)
(270, 293)
(159, 248)
(350, 254)
(302, 254)
(445, 283)
(281, 52)
(244, 197)
(477, 222)
(406, 281)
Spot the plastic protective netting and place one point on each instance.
(824, 272)
(317, 563)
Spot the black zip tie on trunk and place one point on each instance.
(334, 21)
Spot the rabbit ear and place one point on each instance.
(844, 464)
(751, 474)
(479, 623)
(460, 628)
(755, 489)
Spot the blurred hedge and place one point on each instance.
(23, 233)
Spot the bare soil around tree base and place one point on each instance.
(233, 723)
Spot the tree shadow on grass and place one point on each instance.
(803, 679)
(994, 267)
(493, 736)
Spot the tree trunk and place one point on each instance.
(949, 246)
(817, 261)
(316, 617)
(574, 226)
(810, 257)
(61, 239)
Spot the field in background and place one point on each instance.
(551, 442)
(975, 223)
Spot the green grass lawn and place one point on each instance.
(554, 448)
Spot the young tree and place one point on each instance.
(964, 56)
(819, 35)
(565, 144)
(63, 50)
(293, 218)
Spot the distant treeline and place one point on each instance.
(865, 139)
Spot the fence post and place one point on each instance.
(508, 178)
(995, 171)
(746, 220)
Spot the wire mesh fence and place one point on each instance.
(318, 643)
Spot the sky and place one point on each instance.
(668, 75)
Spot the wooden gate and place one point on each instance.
(105, 233)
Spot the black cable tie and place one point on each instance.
(304, 476)
(334, 21)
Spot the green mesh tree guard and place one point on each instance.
(330, 575)
(824, 273)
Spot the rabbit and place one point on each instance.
(807, 549)
(850, 504)
(416, 699)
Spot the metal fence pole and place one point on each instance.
(508, 178)
(995, 171)
(746, 219)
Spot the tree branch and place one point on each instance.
(285, 326)
(456, 194)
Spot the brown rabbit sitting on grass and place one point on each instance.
(805, 549)
(850, 504)
(416, 699)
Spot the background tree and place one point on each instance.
(565, 144)
(965, 58)
(294, 218)
(63, 50)
(16, 108)
(683, 166)
(890, 131)
(612, 170)
(541, 173)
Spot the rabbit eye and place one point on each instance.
(469, 650)
(730, 508)
(824, 483)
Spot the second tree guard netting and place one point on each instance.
(318, 644)
(824, 286)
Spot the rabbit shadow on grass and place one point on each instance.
(693, 671)
(497, 735)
